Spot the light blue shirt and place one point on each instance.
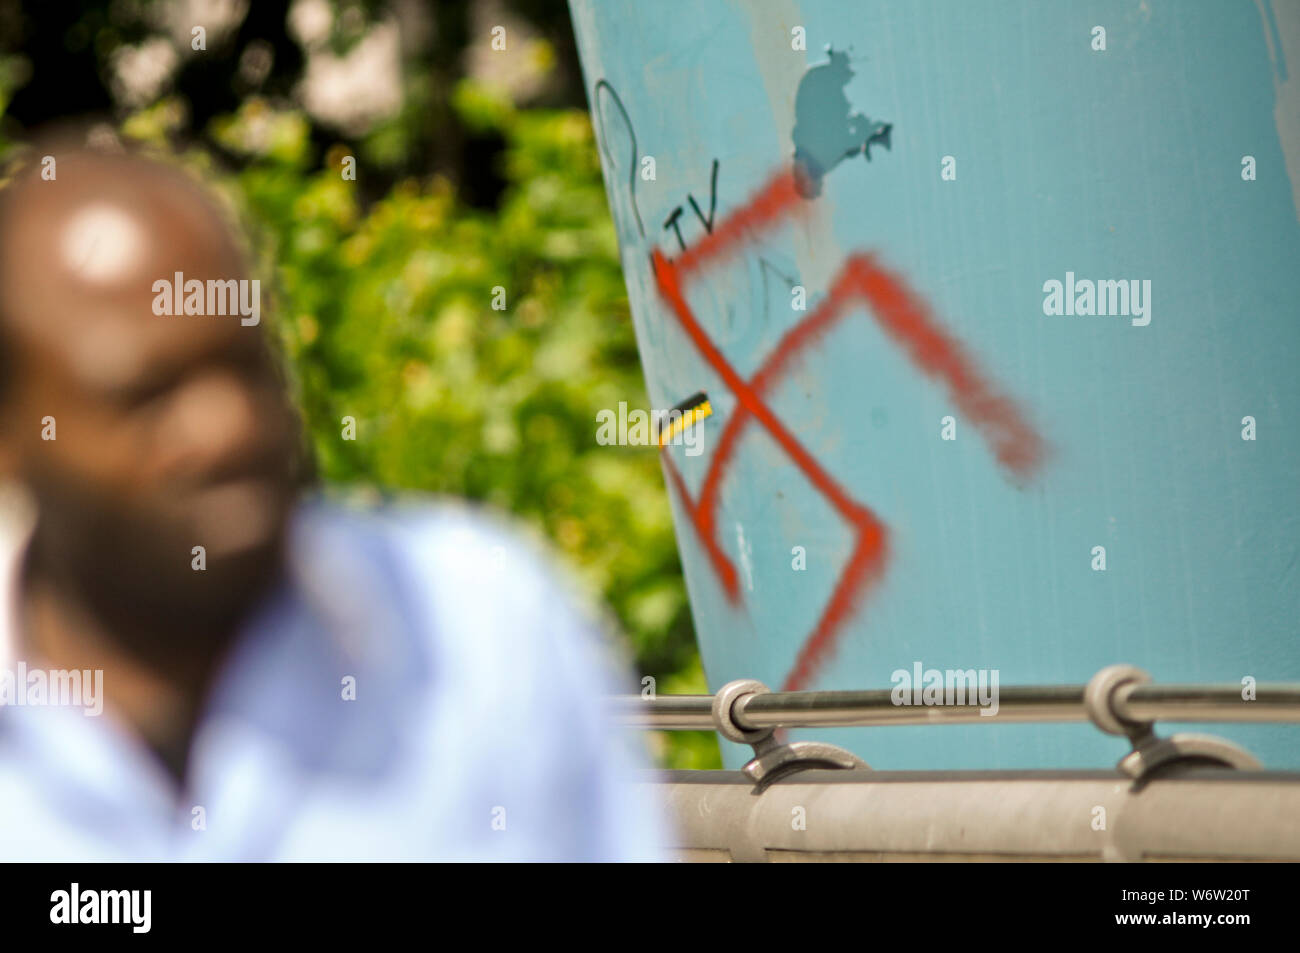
(477, 731)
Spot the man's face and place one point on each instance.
(170, 432)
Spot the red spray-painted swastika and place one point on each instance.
(907, 320)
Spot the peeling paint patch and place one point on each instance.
(825, 133)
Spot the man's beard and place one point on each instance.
(136, 575)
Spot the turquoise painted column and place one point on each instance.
(995, 306)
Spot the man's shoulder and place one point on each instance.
(477, 584)
(444, 539)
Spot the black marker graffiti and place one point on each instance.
(671, 220)
(713, 200)
(603, 85)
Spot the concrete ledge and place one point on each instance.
(1205, 814)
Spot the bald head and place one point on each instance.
(79, 255)
(163, 428)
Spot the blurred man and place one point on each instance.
(280, 680)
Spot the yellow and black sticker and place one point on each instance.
(692, 410)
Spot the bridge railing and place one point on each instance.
(1119, 700)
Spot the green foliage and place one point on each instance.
(386, 313)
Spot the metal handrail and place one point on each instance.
(1279, 702)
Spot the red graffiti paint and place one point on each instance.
(905, 317)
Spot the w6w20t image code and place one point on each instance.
(1201, 907)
